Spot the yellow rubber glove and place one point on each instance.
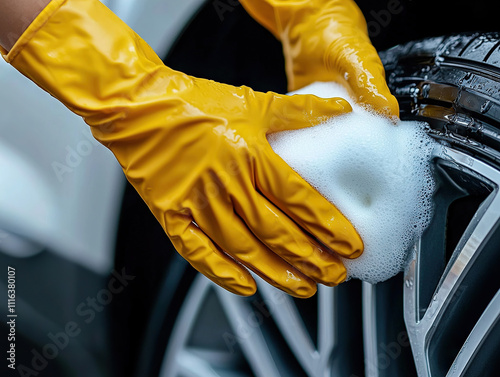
(195, 150)
(327, 40)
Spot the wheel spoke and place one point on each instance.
(370, 330)
(189, 312)
(247, 329)
(466, 252)
(476, 338)
(327, 336)
(190, 365)
(291, 325)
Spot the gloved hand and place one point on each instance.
(195, 150)
(327, 41)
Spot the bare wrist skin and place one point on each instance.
(15, 17)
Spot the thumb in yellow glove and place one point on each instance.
(327, 40)
(195, 150)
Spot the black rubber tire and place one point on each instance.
(453, 83)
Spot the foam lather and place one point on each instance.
(377, 174)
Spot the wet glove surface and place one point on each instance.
(327, 40)
(195, 150)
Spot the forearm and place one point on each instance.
(15, 17)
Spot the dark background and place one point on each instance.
(424, 18)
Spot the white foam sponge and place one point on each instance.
(376, 173)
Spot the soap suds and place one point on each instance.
(376, 173)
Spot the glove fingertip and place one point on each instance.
(231, 276)
(338, 276)
(319, 109)
(339, 105)
(240, 288)
(305, 292)
(349, 247)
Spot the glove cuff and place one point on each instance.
(31, 31)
